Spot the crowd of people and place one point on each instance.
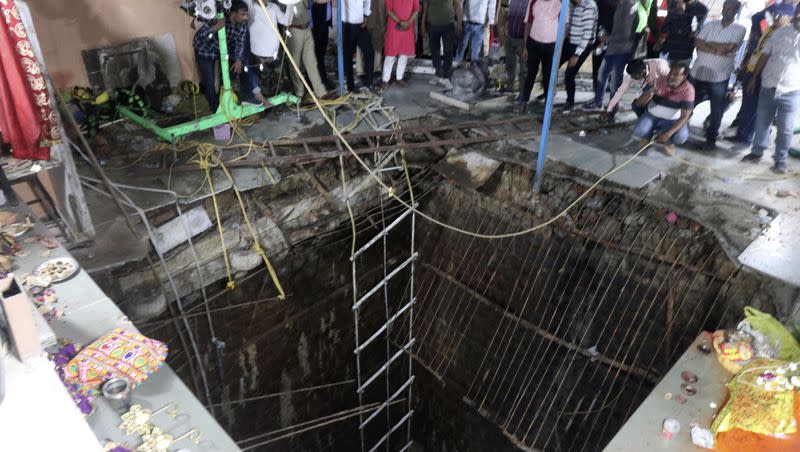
(679, 59)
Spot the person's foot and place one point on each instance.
(751, 158)
(434, 81)
(401, 83)
(384, 86)
(446, 83)
(707, 122)
(521, 107)
(669, 149)
(779, 168)
(707, 146)
(591, 107)
(568, 107)
(330, 95)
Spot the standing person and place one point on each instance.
(478, 15)
(376, 26)
(541, 27)
(580, 43)
(514, 43)
(669, 110)
(442, 22)
(605, 22)
(717, 44)
(321, 21)
(683, 21)
(779, 68)
(264, 42)
(400, 42)
(355, 34)
(648, 72)
(746, 128)
(301, 47)
(621, 44)
(206, 50)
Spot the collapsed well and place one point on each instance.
(547, 340)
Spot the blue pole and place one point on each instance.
(340, 45)
(551, 88)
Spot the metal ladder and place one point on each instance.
(367, 303)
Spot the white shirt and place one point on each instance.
(353, 11)
(782, 71)
(263, 40)
(711, 67)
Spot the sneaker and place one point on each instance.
(446, 83)
(591, 107)
(521, 107)
(707, 146)
(779, 168)
(434, 81)
(385, 86)
(751, 158)
(568, 107)
(540, 97)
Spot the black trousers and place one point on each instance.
(356, 35)
(438, 36)
(571, 73)
(597, 60)
(320, 34)
(538, 54)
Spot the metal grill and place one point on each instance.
(557, 337)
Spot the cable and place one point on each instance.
(278, 394)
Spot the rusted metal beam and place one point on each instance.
(642, 373)
(317, 185)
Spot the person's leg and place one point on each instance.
(533, 67)
(764, 116)
(348, 43)
(295, 45)
(618, 70)
(462, 44)
(448, 43)
(477, 42)
(597, 62)
(570, 73)
(787, 107)
(388, 62)
(681, 136)
(364, 42)
(547, 54)
(207, 69)
(310, 62)
(510, 47)
(435, 34)
(747, 113)
(602, 80)
(359, 62)
(320, 33)
(402, 60)
(249, 82)
(643, 130)
(717, 96)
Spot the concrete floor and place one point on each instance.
(715, 186)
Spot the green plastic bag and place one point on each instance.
(775, 332)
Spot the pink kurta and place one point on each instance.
(400, 42)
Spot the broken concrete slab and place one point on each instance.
(775, 252)
(470, 169)
(173, 233)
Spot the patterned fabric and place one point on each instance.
(583, 25)
(120, 353)
(516, 18)
(206, 44)
(710, 67)
(782, 71)
(27, 117)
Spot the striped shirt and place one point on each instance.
(205, 40)
(782, 71)
(712, 67)
(668, 102)
(583, 25)
(516, 18)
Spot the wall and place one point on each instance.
(65, 27)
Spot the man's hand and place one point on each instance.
(423, 29)
(663, 138)
(660, 43)
(364, 23)
(573, 61)
(525, 54)
(218, 25)
(731, 95)
(459, 28)
(237, 67)
(644, 99)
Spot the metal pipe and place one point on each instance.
(340, 46)
(548, 109)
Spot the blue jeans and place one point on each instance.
(747, 112)
(715, 93)
(249, 82)
(612, 66)
(648, 125)
(472, 36)
(207, 69)
(785, 107)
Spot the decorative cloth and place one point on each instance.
(120, 353)
(27, 119)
